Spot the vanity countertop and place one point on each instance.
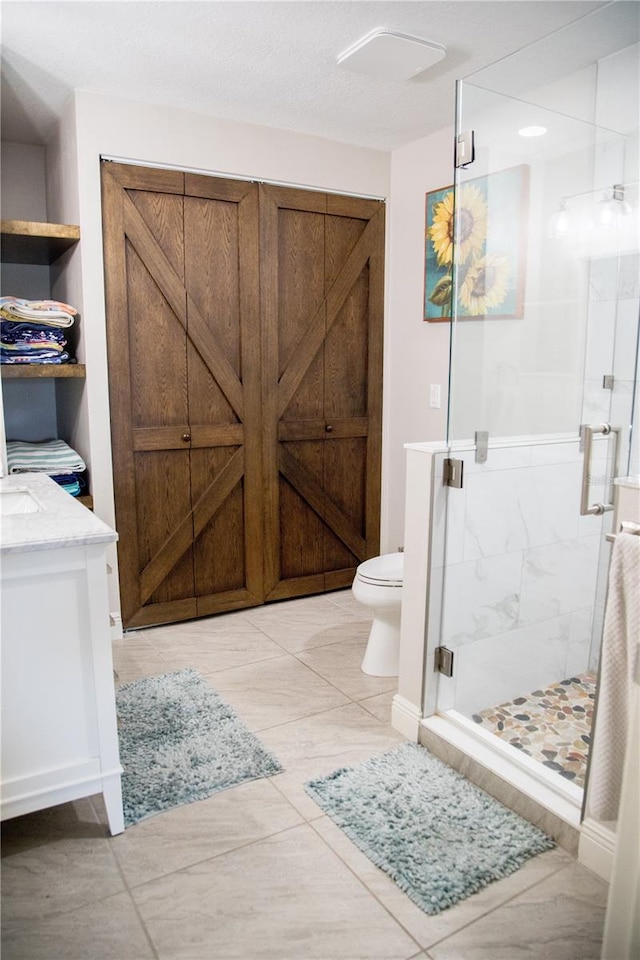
(37, 514)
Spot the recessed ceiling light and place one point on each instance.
(532, 131)
(391, 56)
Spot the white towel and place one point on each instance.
(617, 670)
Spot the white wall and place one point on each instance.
(96, 126)
(23, 197)
(23, 183)
(416, 353)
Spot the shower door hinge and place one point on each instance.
(444, 661)
(452, 470)
(465, 152)
(482, 445)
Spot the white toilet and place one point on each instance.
(378, 585)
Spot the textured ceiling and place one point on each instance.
(271, 62)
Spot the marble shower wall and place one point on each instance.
(519, 587)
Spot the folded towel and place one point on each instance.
(35, 347)
(25, 358)
(51, 312)
(50, 456)
(59, 319)
(12, 331)
(73, 483)
(39, 305)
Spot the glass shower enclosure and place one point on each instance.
(534, 250)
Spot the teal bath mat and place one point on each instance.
(180, 742)
(438, 836)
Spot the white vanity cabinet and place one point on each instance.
(59, 730)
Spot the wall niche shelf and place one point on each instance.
(27, 241)
(39, 244)
(42, 371)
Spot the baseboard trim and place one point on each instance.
(597, 847)
(115, 625)
(406, 718)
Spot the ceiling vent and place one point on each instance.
(391, 56)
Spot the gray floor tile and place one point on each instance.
(108, 930)
(57, 876)
(66, 821)
(318, 745)
(210, 651)
(348, 603)
(224, 623)
(326, 635)
(198, 831)
(275, 691)
(285, 898)
(306, 623)
(561, 918)
(340, 664)
(428, 929)
(131, 661)
(380, 705)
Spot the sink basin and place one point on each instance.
(14, 502)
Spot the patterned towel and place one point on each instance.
(52, 312)
(619, 649)
(51, 456)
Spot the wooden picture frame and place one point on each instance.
(490, 252)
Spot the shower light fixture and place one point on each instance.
(533, 131)
(610, 210)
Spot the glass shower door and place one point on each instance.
(540, 345)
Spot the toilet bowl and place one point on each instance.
(378, 585)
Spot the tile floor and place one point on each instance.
(258, 871)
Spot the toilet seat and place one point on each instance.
(384, 571)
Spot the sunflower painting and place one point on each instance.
(486, 247)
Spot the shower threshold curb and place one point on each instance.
(553, 806)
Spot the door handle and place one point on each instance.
(587, 433)
(186, 437)
(329, 428)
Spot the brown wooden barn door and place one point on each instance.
(182, 286)
(223, 357)
(322, 310)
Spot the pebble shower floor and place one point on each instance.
(552, 725)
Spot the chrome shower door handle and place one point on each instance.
(587, 433)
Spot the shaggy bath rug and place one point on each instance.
(180, 742)
(439, 837)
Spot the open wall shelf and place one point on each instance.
(42, 371)
(27, 241)
(35, 243)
